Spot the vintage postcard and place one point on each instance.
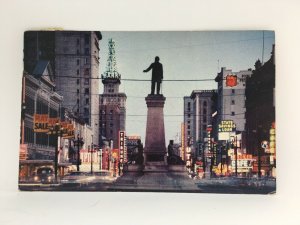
(176, 111)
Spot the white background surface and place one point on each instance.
(37, 208)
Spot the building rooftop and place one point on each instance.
(40, 67)
(202, 93)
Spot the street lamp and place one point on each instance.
(235, 153)
(57, 131)
(92, 149)
(100, 160)
(107, 157)
(79, 143)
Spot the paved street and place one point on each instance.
(229, 186)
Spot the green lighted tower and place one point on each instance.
(112, 102)
(111, 67)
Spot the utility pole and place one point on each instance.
(56, 155)
(100, 160)
(235, 153)
(56, 131)
(78, 153)
(263, 48)
(92, 149)
(212, 159)
(259, 162)
(203, 159)
(79, 142)
(221, 153)
(23, 109)
(227, 157)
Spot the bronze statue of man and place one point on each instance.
(157, 75)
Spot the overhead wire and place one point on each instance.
(192, 45)
(170, 115)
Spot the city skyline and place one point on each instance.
(227, 132)
(201, 55)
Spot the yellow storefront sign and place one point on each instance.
(44, 124)
(40, 122)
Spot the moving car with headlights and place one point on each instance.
(103, 176)
(44, 175)
(77, 178)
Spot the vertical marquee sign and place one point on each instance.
(182, 153)
(272, 144)
(209, 143)
(122, 146)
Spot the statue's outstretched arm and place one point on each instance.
(149, 68)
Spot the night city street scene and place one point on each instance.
(176, 111)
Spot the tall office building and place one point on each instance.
(198, 109)
(202, 104)
(112, 104)
(188, 115)
(231, 99)
(260, 105)
(74, 58)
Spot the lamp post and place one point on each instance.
(100, 160)
(235, 153)
(57, 131)
(203, 159)
(227, 156)
(259, 162)
(92, 149)
(221, 153)
(79, 142)
(107, 156)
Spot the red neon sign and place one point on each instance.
(231, 80)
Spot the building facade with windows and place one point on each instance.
(187, 127)
(188, 116)
(39, 98)
(74, 58)
(198, 109)
(202, 116)
(260, 104)
(231, 99)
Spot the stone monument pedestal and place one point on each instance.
(155, 174)
(155, 144)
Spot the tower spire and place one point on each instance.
(111, 66)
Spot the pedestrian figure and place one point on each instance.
(140, 158)
(157, 75)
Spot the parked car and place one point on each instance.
(76, 177)
(44, 175)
